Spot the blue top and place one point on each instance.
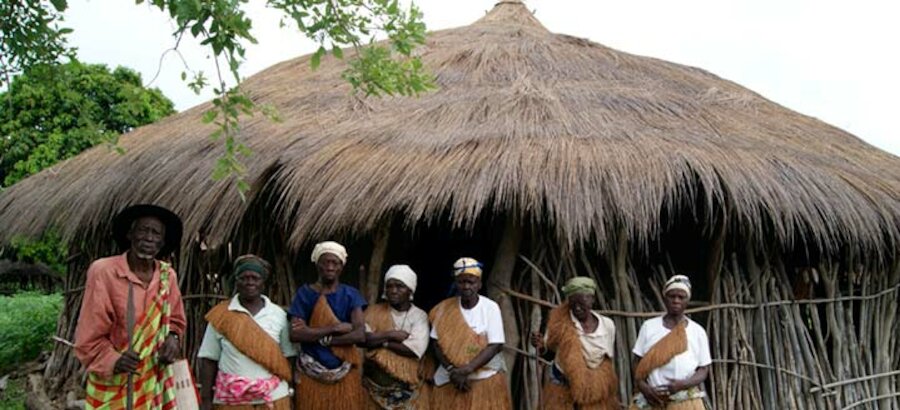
(342, 302)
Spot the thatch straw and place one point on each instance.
(576, 135)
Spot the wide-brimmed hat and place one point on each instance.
(122, 223)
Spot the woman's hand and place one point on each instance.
(459, 376)
(675, 386)
(398, 336)
(657, 397)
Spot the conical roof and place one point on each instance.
(560, 130)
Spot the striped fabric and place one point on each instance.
(153, 384)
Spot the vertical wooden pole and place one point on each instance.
(372, 277)
(617, 259)
(761, 326)
(501, 277)
(716, 256)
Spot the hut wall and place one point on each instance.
(784, 334)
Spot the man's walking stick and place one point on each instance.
(129, 322)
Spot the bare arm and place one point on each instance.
(652, 395)
(483, 358)
(697, 378)
(439, 354)
(391, 340)
(208, 371)
(357, 336)
(302, 333)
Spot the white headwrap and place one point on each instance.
(331, 247)
(404, 274)
(678, 282)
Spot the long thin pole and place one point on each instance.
(129, 322)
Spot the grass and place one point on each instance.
(13, 397)
(27, 321)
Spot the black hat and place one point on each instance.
(122, 223)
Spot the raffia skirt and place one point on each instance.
(557, 397)
(486, 394)
(692, 404)
(347, 394)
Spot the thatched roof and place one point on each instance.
(558, 129)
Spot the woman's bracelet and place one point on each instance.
(325, 341)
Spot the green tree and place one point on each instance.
(53, 112)
(224, 27)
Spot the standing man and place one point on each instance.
(114, 340)
(396, 339)
(327, 320)
(467, 333)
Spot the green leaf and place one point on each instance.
(59, 5)
(210, 115)
(338, 53)
(317, 57)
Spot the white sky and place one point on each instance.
(836, 60)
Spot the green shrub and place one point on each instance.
(13, 398)
(49, 249)
(27, 321)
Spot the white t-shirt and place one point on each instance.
(682, 365)
(273, 320)
(484, 319)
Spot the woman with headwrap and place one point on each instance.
(467, 333)
(327, 320)
(396, 339)
(672, 355)
(243, 364)
(582, 375)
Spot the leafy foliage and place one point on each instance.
(376, 70)
(53, 112)
(30, 35)
(224, 26)
(48, 249)
(27, 320)
(13, 397)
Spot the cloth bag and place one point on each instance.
(186, 395)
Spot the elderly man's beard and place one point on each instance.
(143, 256)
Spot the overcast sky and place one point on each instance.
(834, 60)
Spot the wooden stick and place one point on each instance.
(526, 354)
(871, 399)
(854, 380)
(708, 308)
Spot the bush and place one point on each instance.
(27, 321)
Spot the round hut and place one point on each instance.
(545, 156)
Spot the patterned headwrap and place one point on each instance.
(331, 247)
(580, 284)
(678, 282)
(468, 266)
(249, 262)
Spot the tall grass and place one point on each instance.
(27, 321)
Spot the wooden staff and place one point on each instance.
(129, 323)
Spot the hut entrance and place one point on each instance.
(431, 251)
